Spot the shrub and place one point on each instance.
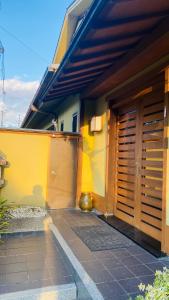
(160, 288)
(4, 215)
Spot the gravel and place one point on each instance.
(28, 212)
(28, 218)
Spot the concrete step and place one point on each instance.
(59, 292)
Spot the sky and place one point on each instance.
(29, 30)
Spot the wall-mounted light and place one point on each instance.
(96, 124)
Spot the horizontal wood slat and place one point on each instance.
(155, 136)
(152, 192)
(126, 185)
(126, 147)
(153, 126)
(150, 163)
(126, 162)
(152, 145)
(125, 170)
(125, 217)
(127, 117)
(151, 118)
(128, 178)
(126, 193)
(126, 154)
(152, 173)
(125, 201)
(153, 154)
(127, 124)
(151, 201)
(150, 230)
(151, 182)
(125, 208)
(127, 132)
(151, 211)
(154, 108)
(151, 221)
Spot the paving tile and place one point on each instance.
(13, 268)
(111, 263)
(59, 280)
(2, 279)
(136, 250)
(112, 291)
(130, 261)
(18, 277)
(140, 270)
(154, 266)
(121, 273)
(81, 251)
(60, 268)
(120, 253)
(104, 254)
(146, 258)
(38, 275)
(36, 265)
(130, 285)
(97, 272)
(12, 259)
(3, 252)
(146, 279)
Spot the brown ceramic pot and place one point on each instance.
(86, 202)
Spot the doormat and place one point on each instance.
(98, 238)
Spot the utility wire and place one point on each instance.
(23, 43)
(2, 51)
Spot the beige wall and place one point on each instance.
(70, 106)
(94, 150)
(26, 176)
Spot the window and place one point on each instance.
(62, 126)
(75, 122)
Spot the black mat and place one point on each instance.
(98, 238)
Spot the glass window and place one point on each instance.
(75, 122)
(62, 126)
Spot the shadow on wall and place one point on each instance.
(36, 198)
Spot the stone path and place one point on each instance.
(118, 272)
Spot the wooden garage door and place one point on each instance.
(139, 162)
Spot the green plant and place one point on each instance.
(4, 215)
(160, 288)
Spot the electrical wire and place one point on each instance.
(2, 69)
(23, 43)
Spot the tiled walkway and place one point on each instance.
(117, 273)
(31, 261)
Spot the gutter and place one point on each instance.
(37, 98)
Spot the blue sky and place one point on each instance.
(37, 23)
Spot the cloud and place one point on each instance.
(15, 102)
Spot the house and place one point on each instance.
(109, 80)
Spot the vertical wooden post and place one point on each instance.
(80, 154)
(79, 170)
(109, 172)
(165, 204)
(138, 160)
(111, 182)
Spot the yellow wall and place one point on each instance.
(70, 106)
(94, 150)
(26, 175)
